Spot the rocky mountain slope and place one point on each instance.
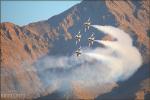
(22, 46)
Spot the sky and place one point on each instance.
(24, 12)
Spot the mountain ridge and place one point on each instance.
(22, 46)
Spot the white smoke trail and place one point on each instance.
(129, 55)
(121, 36)
(94, 69)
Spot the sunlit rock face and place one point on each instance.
(21, 47)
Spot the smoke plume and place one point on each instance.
(96, 71)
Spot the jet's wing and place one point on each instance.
(78, 54)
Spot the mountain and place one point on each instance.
(22, 46)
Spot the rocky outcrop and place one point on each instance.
(16, 46)
(144, 90)
(19, 51)
(82, 92)
(134, 19)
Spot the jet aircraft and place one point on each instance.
(91, 39)
(87, 24)
(78, 37)
(78, 52)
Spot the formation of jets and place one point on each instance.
(91, 39)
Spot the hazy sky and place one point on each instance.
(24, 12)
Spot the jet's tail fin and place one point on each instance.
(88, 27)
(89, 44)
(92, 43)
